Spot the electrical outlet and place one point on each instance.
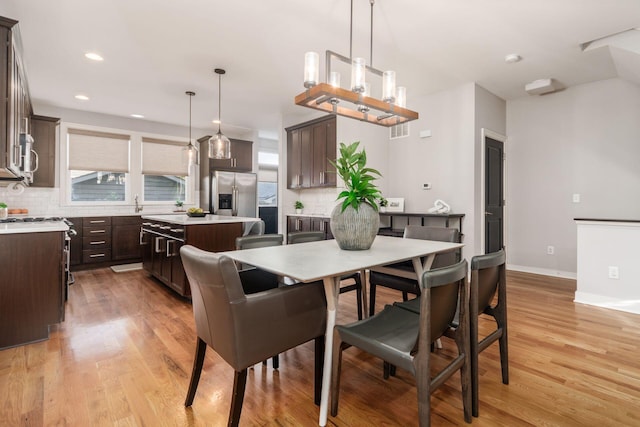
(614, 273)
(550, 250)
(426, 186)
(576, 198)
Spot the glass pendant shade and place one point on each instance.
(401, 96)
(311, 69)
(334, 79)
(358, 71)
(192, 154)
(219, 146)
(389, 86)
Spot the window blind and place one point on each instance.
(163, 157)
(98, 151)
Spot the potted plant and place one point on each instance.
(355, 221)
(298, 206)
(383, 204)
(179, 204)
(4, 211)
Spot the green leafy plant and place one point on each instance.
(383, 202)
(298, 205)
(3, 205)
(357, 177)
(179, 203)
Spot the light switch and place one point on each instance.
(576, 198)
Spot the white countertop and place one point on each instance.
(183, 219)
(314, 215)
(32, 227)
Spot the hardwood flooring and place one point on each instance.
(123, 358)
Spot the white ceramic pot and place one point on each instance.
(4, 213)
(298, 211)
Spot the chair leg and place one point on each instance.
(198, 361)
(336, 368)
(359, 294)
(239, 384)
(275, 361)
(372, 298)
(504, 355)
(318, 369)
(405, 296)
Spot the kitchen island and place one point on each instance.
(162, 236)
(32, 288)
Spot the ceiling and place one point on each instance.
(154, 50)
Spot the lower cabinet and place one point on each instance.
(125, 238)
(310, 223)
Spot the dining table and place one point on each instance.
(324, 260)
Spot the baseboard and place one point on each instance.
(630, 306)
(543, 271)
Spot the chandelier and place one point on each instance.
(356, 102)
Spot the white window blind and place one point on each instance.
(98, 151)
(162, 157)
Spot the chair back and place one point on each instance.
(487, 274)
(215, 290)
(258, 241)
(257, 227)
(439, 234)
(304, 236)
(443, 287)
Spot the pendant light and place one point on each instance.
(219, 145)
(191, 149)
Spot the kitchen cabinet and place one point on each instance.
(32, 288)
(15, 102)
(96, 239)
(125, 238)
(310, 223)
(241, 157)
(44, 131)
(322, 224)
(298, 223)
(310, 146)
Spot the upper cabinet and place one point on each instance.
(310, 146)
(15, 105)
(241, 157)
(44, 131)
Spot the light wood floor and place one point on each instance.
(123, 358)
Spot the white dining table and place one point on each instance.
(324, 260)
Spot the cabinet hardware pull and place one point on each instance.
(96, 256)
(158, 240)
(96, 221)
(98, 242)
(142, 238)
(97, 231)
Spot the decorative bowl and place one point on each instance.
(196, 214)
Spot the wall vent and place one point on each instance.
(399, 131)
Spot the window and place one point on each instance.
(267, 194)
(165, 167)
(98, 165)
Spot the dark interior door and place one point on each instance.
(494, 197)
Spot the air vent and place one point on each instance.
(399, 131)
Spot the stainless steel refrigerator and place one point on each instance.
(233, 194)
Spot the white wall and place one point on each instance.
(583, 140)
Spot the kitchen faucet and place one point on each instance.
(138, 206)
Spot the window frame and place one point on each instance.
(134, 184)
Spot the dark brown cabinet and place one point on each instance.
(310, 223)
(96, 239)
(241, 157)
(32, 288)
(310, 146)
(125, 238)
(44, 131)
(322, 224)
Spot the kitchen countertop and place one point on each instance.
(183, 219)
(315, 215)
(32, 227)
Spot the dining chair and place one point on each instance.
(257, 280)
(246, 329)
(313, 236)
(488, 277)
(404, 338)
(399, 281)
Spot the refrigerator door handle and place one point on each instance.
(234, 201)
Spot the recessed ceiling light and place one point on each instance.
(137, 116)
(512, 58)
(93, 56)
(82, 97)
(216, 121)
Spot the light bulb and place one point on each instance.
(311, 69)
(389, 86)
(358, 71)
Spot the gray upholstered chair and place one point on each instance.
(410, 286)
(247, 329)
(488, 277)
(356, 285)
(404, 338)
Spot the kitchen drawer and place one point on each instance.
(126, 220)
(96, 221)
(96, 255)
(96, 242)
(97, 231)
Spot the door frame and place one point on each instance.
(484, 134)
